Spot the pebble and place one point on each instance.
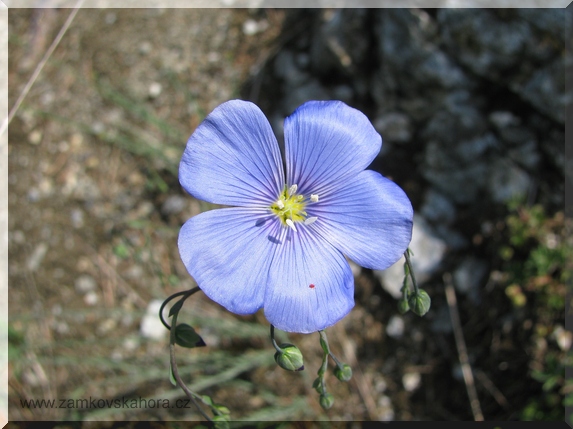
(91, 298)
(411, 381)
(151, 327)
(77, 218)
(394, 127)
(563, 337)
(84, 284)
(469, 277)
(174, 204)
(155, 89)
(395, 327)
(35, 137)
(427, 253)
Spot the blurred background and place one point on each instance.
(470, 105)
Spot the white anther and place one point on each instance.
(290, 223)
(292, 190)
(310, 220)
(314, 198)
(280, 204)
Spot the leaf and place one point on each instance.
(185, 336)
(172, 376)
(176, 307)
(207, 400)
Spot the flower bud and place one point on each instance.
(343, 373)
(317, 385)
(403, 306)
(420, 302)
(290, 358)
(326, 401)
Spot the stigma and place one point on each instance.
(290, 207)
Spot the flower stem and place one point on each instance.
(326, 348)
(174, 369)
(411, 271)
(188, 293)
(275, 345)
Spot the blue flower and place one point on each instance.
(283, 244)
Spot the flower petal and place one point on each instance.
(310, 284)
(228, 252)
(369, 219)
(233, 158)
(327, 142)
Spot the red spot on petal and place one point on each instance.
(311, 286)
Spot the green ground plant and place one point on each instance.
(537, 269)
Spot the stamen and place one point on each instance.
(280, 204)
(290, 223)
(292, 190)
(310, 220)
(314, 198)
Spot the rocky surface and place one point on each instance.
(470, 103)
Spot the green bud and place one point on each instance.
(343, 373)
(420, 302)
(290, 358)
(326, 401)
(403, 306)
(317, 385)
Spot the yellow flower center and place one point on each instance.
(290, 207)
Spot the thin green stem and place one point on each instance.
(275, 345)
(407, 256)
(175, 295)
(326, 348)
(175, 371)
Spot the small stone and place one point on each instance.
(502, 119)
(394, 127)
(174, 204)
(438, 208)
(411, 381)
(77, 218)
(469, 276)
(110, 18)
(35, 137)
(61, 327)
(427, 253)
(395, 327)
(251, 27)
(507, 181)
(84, 284)
(91, 298)
(18, 237)
(155, 89)
(151, 327)
(213, 56)
(145, 47)
(563, 338)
